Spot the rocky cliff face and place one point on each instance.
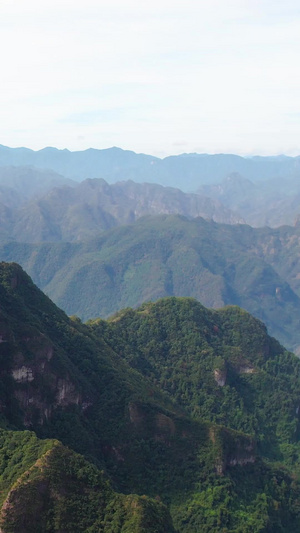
(37, 370)
(37, 387)
(231, 449)
(220, 376)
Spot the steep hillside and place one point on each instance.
(72, 381)
(173, 256)
(55, 371)
(46, 487)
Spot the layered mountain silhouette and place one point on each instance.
(173, 256)
(186, 171)
(72, 213)
(259, 190)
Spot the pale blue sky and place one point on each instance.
(160, 77)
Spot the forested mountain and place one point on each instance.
(256, 269)
(186, 171)
(131, 395)
(218, 365)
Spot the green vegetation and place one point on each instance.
(218, 365)
(53, 489)
(186, 410)
(217, 264)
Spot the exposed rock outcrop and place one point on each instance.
(220, 376)
(231, 449)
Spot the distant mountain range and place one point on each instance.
(19, 184)
(258, 190)
(186, 172)
(40, 205)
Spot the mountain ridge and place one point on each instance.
(70, 213)
(186, 172)
(170, 255)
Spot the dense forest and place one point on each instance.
(190, 414)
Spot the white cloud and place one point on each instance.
(218, 75)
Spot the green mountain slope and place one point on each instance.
(60, 380)
(144, 427)
(55, 377)
(46, 487)
(219, 365)
(172, 256)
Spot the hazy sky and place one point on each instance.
(160, 77)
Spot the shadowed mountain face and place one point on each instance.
(122, 393)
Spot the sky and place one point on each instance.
(161, 77)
